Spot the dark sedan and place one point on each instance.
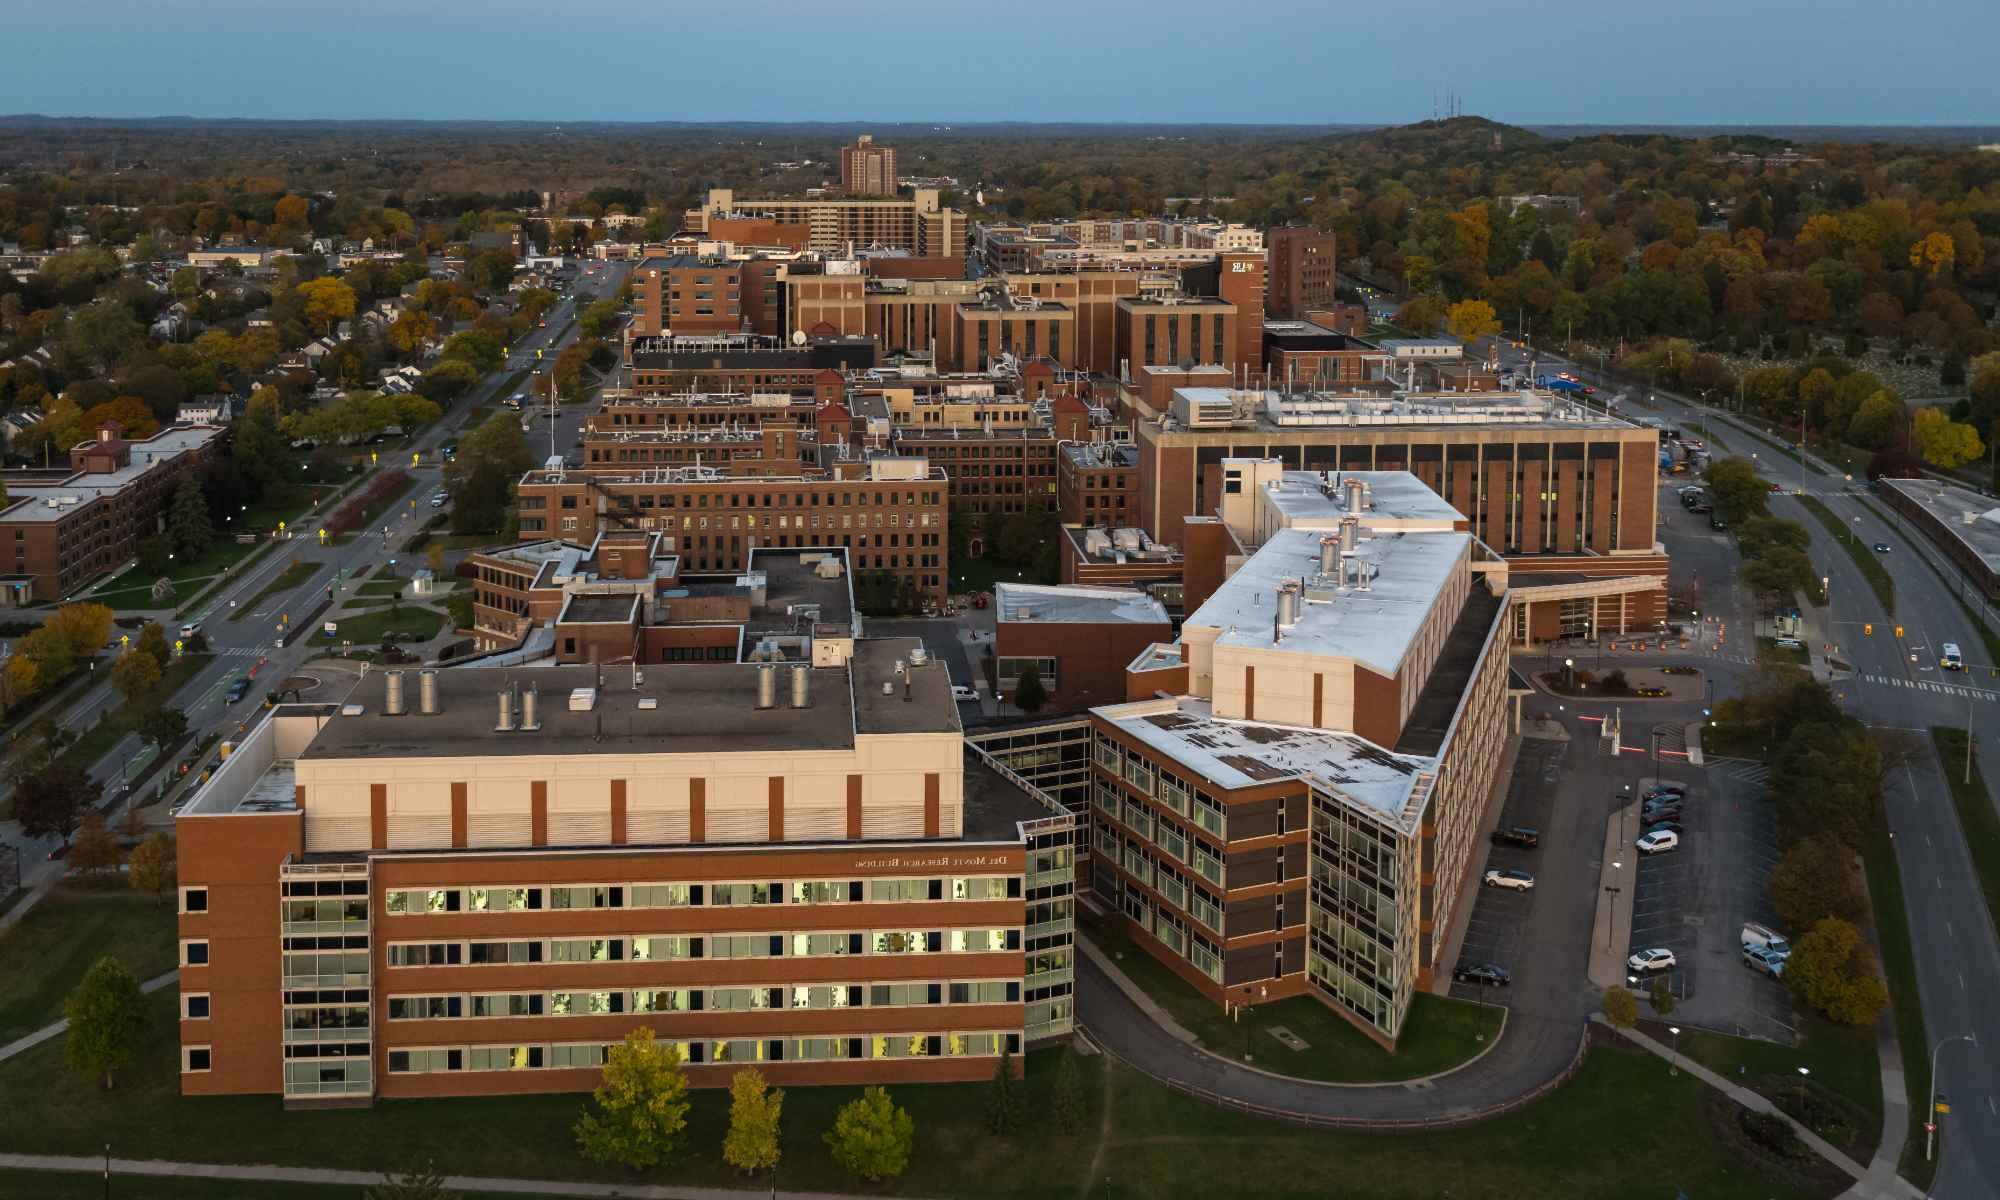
(1482, 975)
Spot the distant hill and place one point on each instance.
(1457, 137)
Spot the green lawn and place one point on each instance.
(88, 1185)
(1976, 814)
(418, 623)
(1899, 970)
(980, 574)
(291, 577)
(97, 741)
(1621, 1109)
(1440, 1032)
(1769, 651)
(134, 587)
(382, 587)
(67, 932)
(1866, 559)
(1842, 1060)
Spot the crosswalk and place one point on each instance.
(1925, 685)
(1745, 770)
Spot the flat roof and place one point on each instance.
(1102, 456)
(1319, 499)
(585, 608)
(1308, 414)
(1051, 605)
(42, 502)
(1241, 754)
(699, 708)
(1969, 517)
(995, 806)
(793, 584)
(1372, 625)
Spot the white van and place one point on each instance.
(1948, 657)
(1763, 937)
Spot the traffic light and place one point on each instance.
(1899, 631)
(1868, 627)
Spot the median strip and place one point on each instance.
(1871, 567)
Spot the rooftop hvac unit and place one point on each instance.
(582, 699)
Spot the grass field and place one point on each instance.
(1842, 1060)
(292, 576)
(1621, 1109)
(1441, 1033)
(63, 935)
(419, 624)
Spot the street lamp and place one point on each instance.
(1803, 1073)
(1673, 1060)
(1611, 914)
(1931, 1114)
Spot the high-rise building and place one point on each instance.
(867, 169)
(1301, 272)
(920, 225)
(475, 881)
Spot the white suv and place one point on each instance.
(1645, 962)
(1519, 881)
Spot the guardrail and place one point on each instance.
(1375, 1124)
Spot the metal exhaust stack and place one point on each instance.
(392, 693)
(427, 692)
(767, 686)
(1328, 550)
(801, 686)
(530, 702)
(506, 724)
(1288, 606)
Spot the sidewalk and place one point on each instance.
(1882, 1181)
(358, 1179)
(21, 1045)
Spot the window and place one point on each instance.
(195, 1059)
(194, 953)
(194, 1006)
(194, 899)
(665, 895)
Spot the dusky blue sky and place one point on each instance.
(1888, 62)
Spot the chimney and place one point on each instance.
(392, 693)
(1348, 527)
(530, 701)
(1328, 552)
(767, 686)
(506, 724)
(427, 692)
(1288, 606)
(1354, 487)
(801, 686)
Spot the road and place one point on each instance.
(251, 643)
(1896, 684)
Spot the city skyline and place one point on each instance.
(1573, 65)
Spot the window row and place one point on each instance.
(412, 901)
(665, 947)
(713, 999)
(560, 1055)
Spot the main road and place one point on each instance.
(251, 642)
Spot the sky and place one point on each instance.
(1748, 62)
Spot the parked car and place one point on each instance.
(1649, 691)
(1658, 841)
(1673, 827)
(1757, 958)
(1645, 962)
(237, 691)
(1517, 835)
(1650, 815)
(962, 693)
(190, 629)
(1482, 974)
(1519, 881)
(1764, 937)
(1677, 791)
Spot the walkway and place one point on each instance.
(330, 1177)
(23, 1044)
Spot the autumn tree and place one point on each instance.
(152, 642)
(751, 1145)
(151, 867)
(1934, 254)
(135, 674)
(51, 796)
(1470, 320)
(640, 1107)
(1740, 492)
(95, 848)
(1621, 1007)
(1943, 442)
(107, 1016)
(290, 213)
(1830, 972)
(871, 1137)
(1815, 879)
(327, 301)
(20, 679)
(83, 626)
(1877, 422)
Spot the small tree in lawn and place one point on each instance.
(134, 674)
(106, 1017)
(1029, 694)
(1071, 1106)
(417, 1183)
(152, 642)
(95, 848)
(641, 1106)
(1621, 1007)
(152, 867)
(751, 1145)
(1003, 1103)
(871, 1137)
(163, 726)
(1662, 997)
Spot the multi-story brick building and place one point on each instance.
(889, 513)
(69, 527)
(1077, 639)
(472, 882)
(867, 169)
(1301, 273)
(766, 447)
(738, 365)
(686, 295)
(922, 224)
(1306, 818)
(1097, 483)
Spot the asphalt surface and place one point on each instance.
(250, 643)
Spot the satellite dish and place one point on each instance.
(798, 337)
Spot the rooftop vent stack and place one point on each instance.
(392, 693)
(1288, 606)
(427, 692)
(906, 689)
(1329, 549)
(530, 702)
(1348, 528)
(1354, 487)
(767, 686)
(801, 687)
(506, 724)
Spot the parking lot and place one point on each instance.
(1496, 930)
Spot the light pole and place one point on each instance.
(1931, 1114)
(1674, 1059)
(1611, 914)
(1803, 1072)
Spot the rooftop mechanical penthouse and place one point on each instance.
(473, 881)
